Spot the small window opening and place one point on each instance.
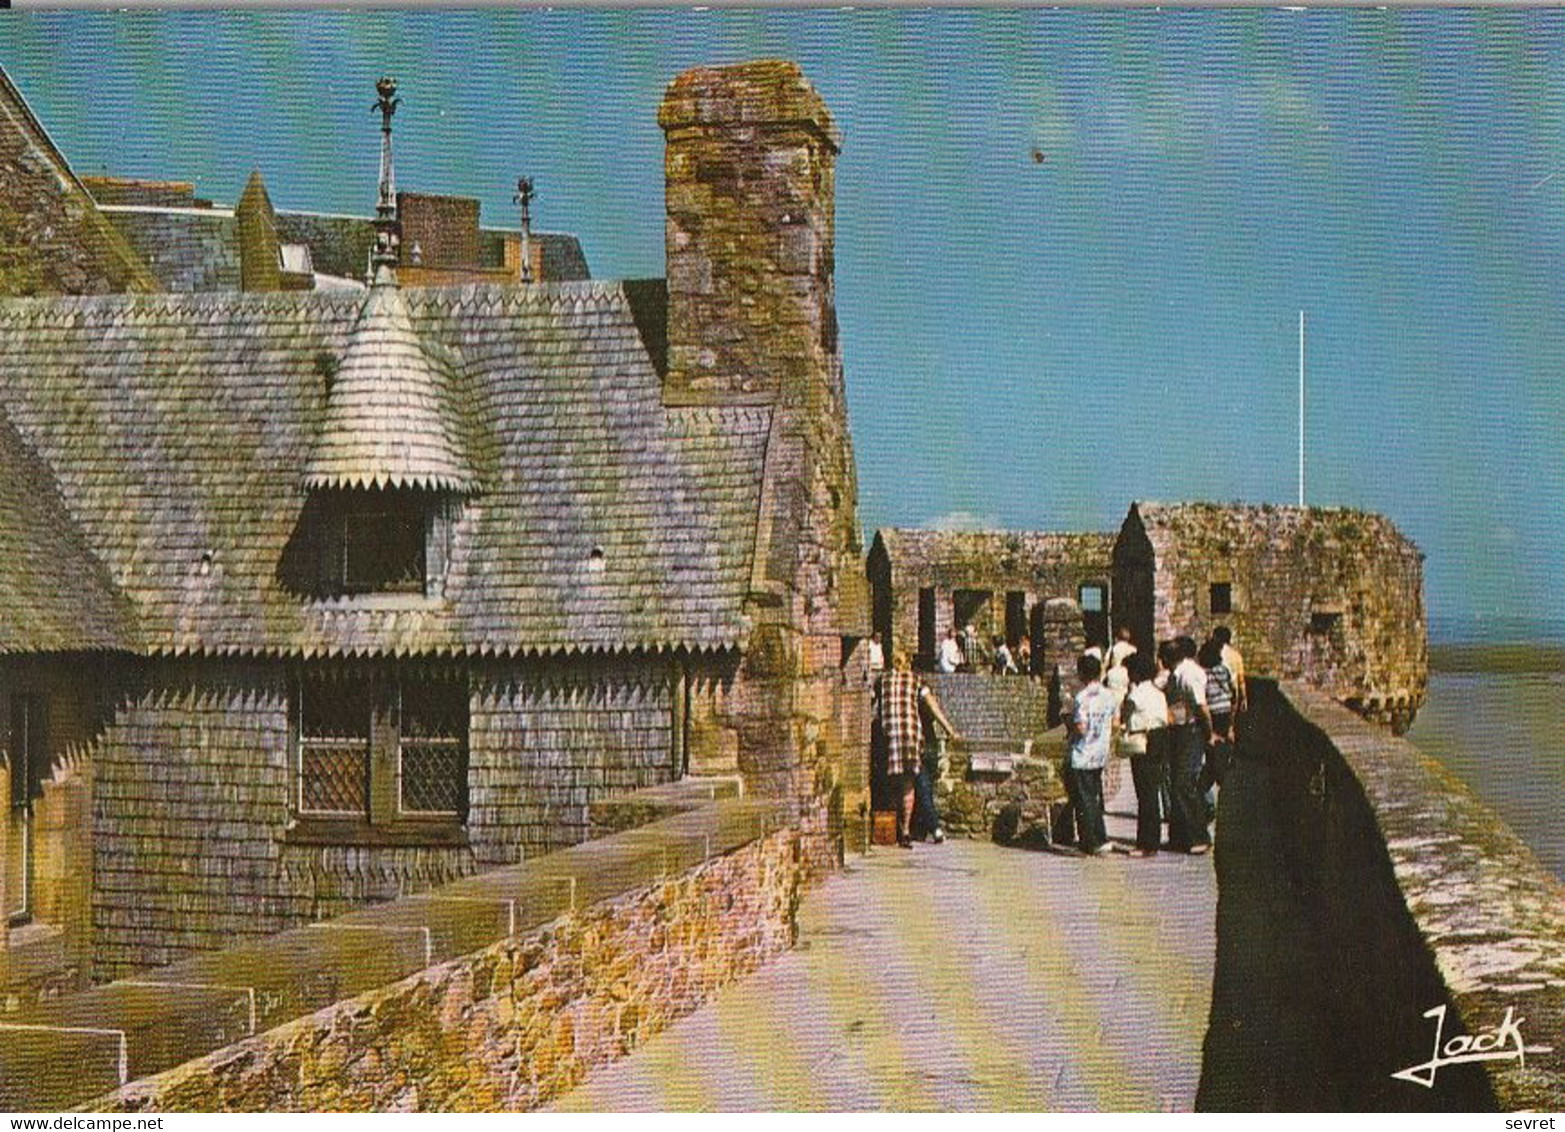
(432, 748)
(1222, 597)
(376, 542)
(1093, 598)
(1324, 620)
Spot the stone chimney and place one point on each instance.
(750, 167)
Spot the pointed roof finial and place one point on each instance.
(524, 197)
(383, 261)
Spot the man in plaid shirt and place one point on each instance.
(898, 695)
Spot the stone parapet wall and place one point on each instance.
(497, 991)
(1420, 897)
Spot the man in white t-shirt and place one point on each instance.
(1187, 832)
(948, 658)
(1090, 717)
(1121, 650)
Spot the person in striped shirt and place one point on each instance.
(1220, 701)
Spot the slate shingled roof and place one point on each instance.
(58, 597)
(393, 416)
(179, 427)
(188, 249)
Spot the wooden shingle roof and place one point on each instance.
(179, 429)
(58, 596)
(392, 417)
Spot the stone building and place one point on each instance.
(1328, 595)
(1324, 594)
(1002, 583)
(326, 595)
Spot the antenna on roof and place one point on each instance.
(383, 261)
(524, 197)
(1301, 408)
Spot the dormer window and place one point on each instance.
(386, 541)
(375, 543)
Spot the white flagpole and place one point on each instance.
(1301, 408)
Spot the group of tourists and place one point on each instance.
(962, 650)
(1174, 717)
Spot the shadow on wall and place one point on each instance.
(1322, 978)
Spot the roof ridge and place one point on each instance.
(172, 301)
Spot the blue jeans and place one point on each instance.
(1085, 790)
(1187, 809)
(926, 817)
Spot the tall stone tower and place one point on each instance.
(750, 167)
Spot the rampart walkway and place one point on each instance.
(962, 976)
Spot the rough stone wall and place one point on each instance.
(750, 174)
(53, 240)
(194, 783)
(445, 228)
(519, 1023)
(1041, 566)
(1286, 565)
(997, 715)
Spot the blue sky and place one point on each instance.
(1028, 343)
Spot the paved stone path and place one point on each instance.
(958, 977)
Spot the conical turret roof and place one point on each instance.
(391, 418)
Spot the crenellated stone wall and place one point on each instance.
(1328, 595)
(999, 582)
(521, 1021)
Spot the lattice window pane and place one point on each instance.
(334, 743)
(334, 778)
(434, 777)
(434, 746)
